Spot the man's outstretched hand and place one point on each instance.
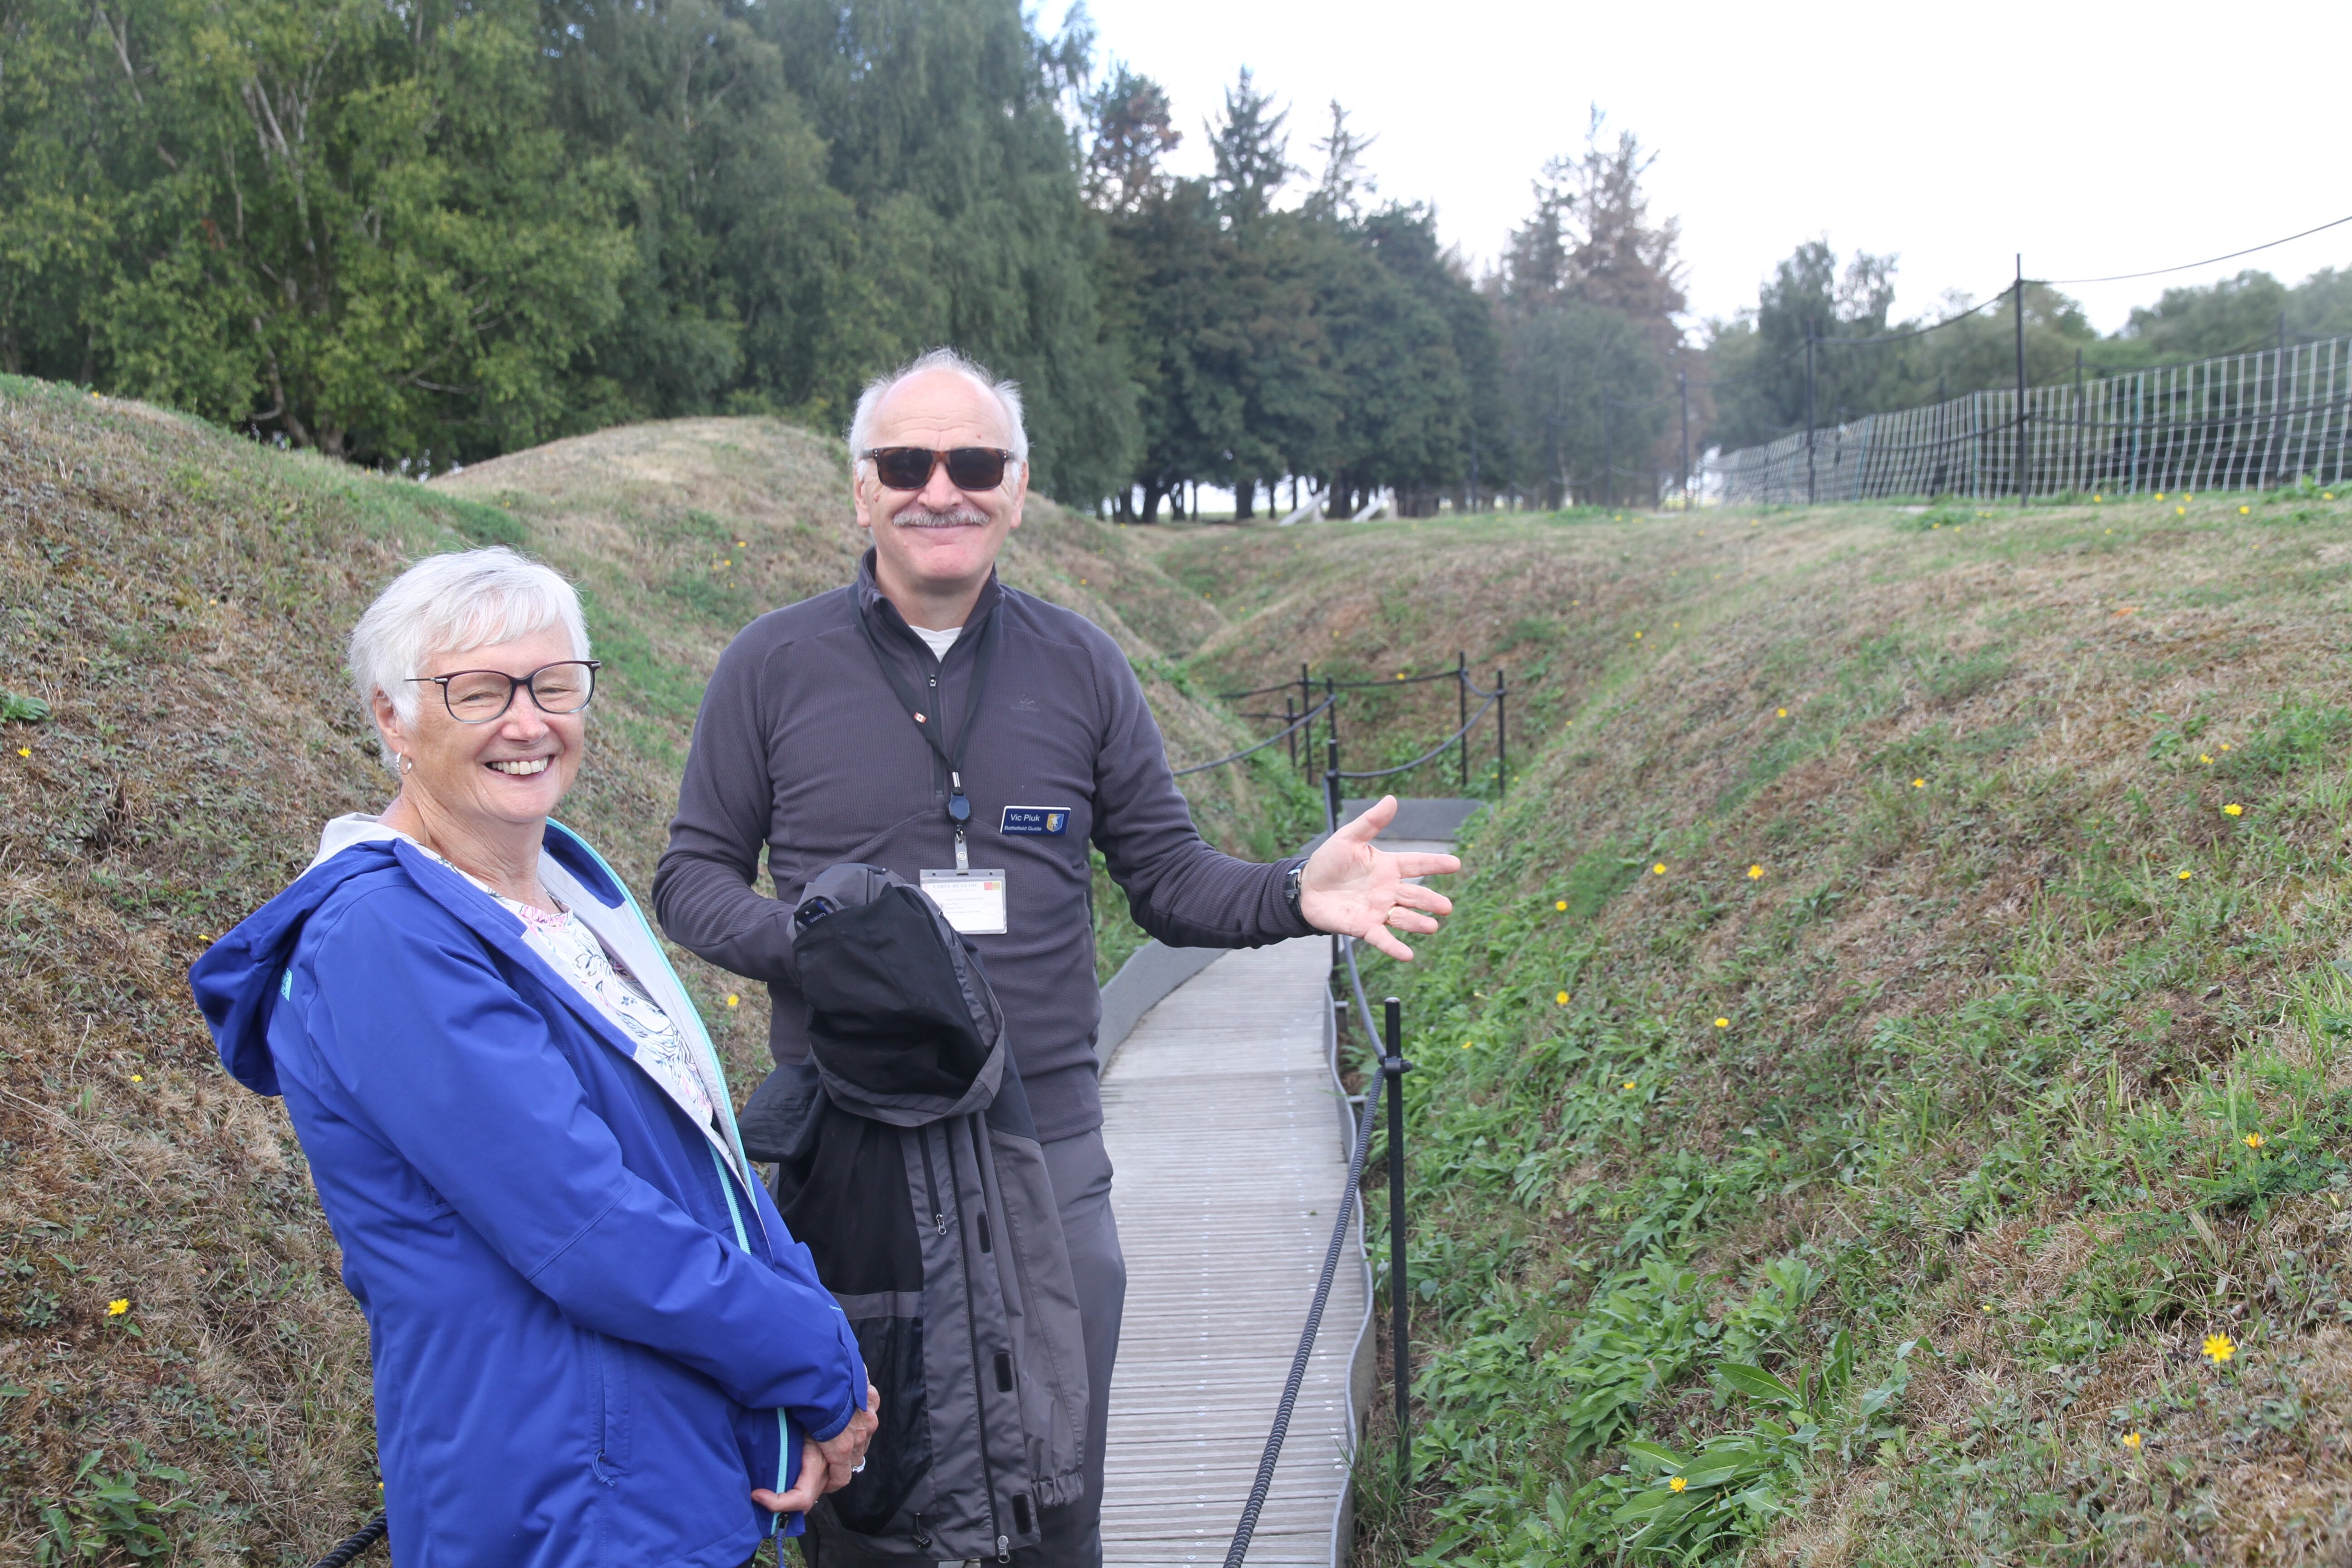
(1350, 889)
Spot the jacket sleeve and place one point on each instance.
(1177, 888)
(704, 887)
(465, 1080)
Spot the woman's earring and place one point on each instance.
(407, 763)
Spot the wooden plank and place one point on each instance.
(1222, 1125)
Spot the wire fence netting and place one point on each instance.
(2246, 421)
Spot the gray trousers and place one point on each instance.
(1080, 1169)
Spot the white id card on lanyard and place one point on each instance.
(973, 902)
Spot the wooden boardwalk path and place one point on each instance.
(1228, 1135)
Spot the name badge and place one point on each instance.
(1036, 819)
(973, 902)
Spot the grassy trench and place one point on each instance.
(1885, 1095)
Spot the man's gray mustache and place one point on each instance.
(924, 517)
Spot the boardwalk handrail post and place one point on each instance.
(1393, 1067)
(1502, 741)
(1332, 814)
(1306, 701)
(1290, 722)
(1462, 691)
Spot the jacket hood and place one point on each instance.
(903, 1026)
(240, 978)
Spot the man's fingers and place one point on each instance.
(1421, 864)
(1367, 828)
(1402, 919)
(1378, 937)
(1420, 897)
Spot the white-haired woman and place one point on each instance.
(593, 1340)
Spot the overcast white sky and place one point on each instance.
(2094, 138)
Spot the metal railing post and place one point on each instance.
(1290, 722)
(1331, 810)
(1393, 1067)
(1502, 735)
(1462, 691)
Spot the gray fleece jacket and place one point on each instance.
(802, 750)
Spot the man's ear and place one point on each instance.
(1020, 489)
(861, 502)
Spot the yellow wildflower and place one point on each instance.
(1918, 783)
(732, 999)
(1755, 873)
(2206, 758)
(2098, 498)
(2255, 1140)
(139, 1077)
(1783, 713)
(2225, 745)
(2180, 511)
(1560, 997)
(1659, 869)
(1637, 637)
(116, 1308)
(1723, 1023)
(24, 751)
(1677, 1484)
(1468, 1044)
(2186, 875)
(2159, 495)
(2131, 1441)
(2245, 510)
(1627, 1086)
(1560, 904)
(2233, 809)
(2219, 1348)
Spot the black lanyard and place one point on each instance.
(959, 809)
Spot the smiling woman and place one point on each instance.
(592, 1337)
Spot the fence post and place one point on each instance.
(1502, 741)
(1290, 722)
(2024, 481)
(1306, 701)
(1331, 806)
(1462, 691)
(1393, 1067)
(1809, 411)
(2074, 479)
(1682, 388)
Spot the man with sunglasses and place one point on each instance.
(974, 739)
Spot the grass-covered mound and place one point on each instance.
(176, 1355)
(1885, 1096)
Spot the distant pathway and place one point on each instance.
(1227, 1129)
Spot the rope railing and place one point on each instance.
(356, 1544)
(1331, 689)
(1304, 719)
(1388, 1085)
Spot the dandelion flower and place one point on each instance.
(1755, 873)
(732, 999)
(2233, 809)
(1723, 1023)
(2185, 496)
(1659, 869)
(1627, 1086)
(2098, 498)
(1677, 1484)
(116, 1308)
(2131, 1441)
(24, 751)
(2219, 1347)
(1637, 637)
(139, 1077)
(1782, 713)
(2255, 1140)
(2180, 511)
(1560, 997)
(2245, 510)
(1400, 675)
(1468, 1044)
(2206, 758)
(2187, 874)
(1560, 904)
(2159, 495)
(2225, 745)
(746, 544)
(1918, 783)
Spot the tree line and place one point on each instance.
(416, 232)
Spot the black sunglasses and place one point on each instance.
(478, 696)
(910, 468)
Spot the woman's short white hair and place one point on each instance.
(453, 604)
(1006, 393)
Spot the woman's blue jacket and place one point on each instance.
(592, 1338)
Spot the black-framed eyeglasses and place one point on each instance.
(480, 695)
(910, 468)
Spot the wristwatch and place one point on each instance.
(1290, 886)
